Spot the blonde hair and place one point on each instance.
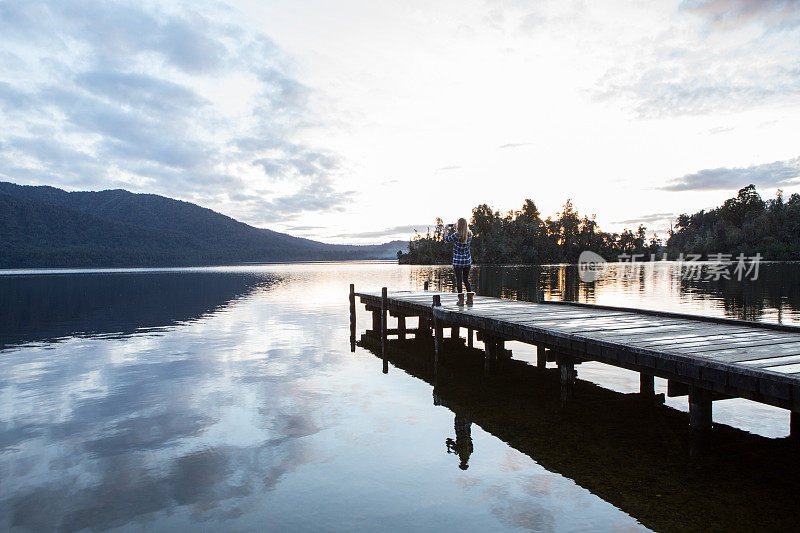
(463, 230)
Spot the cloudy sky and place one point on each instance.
(362, 121)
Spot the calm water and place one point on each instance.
(228, 399)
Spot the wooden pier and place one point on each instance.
(705, 358)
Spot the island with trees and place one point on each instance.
(745, 224)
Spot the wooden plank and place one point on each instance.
(577, 321)
(630, 333)
(691, 340)
(622, 328)
(699, 318)
(502, 311)
(640, 334)
(784, 369)
(688, 329)
(746, 344)
(743, 354)
(772, 361)
(569, 321)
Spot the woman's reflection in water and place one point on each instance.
(462, 445)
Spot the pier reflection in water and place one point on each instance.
(634, 453)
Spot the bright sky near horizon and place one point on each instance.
(361, 121)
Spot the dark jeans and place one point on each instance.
(462, 274)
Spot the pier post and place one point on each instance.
(426, 285)
(541, 357)
(384, 317)
(489, 353)
(423, 328)
(647, 385)
(401, 327)
(437, 327)
(699, 408)
(794, 426)
(352, 317)
(469, 337)
(455, 332)
(568, 374)
(376, 320)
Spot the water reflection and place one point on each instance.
(462, 444)
(636, 455)
(229, 399)
(773, 297)
(49, 307)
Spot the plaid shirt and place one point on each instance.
(461, 256)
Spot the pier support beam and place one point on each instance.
(794, 426)
(469, 337)
(424, 328)
(647, 386)
(376, 319)
(566, 365)
(490, 353)
(384, 317)
(352, 317)
(699, 408)
(455, 332)
(438, 331)
(541, 357)
(401, 327)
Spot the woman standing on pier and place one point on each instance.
(462, 259)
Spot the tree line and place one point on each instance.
(523, 237)
(743, 224)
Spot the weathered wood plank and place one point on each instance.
(772, 361)
(715, 340)
(736, 354)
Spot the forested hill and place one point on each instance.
(745, 224)
(48, 227)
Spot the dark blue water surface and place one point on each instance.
(228, 398)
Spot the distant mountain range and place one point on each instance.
(44, 226)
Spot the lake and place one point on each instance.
(228, 398)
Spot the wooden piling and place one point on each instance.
(455, 332)
(794, 426)
(384, 317)
(401, 327)
(352, 317)
(469, 337)
(376, 320)
(541, 357)
(647, 386)
(437, 327)
(568, 374)
(699, 408)
(488, 354)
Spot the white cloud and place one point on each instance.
(720, 55)
(183, 100)
(775, 174)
